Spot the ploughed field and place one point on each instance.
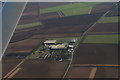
(8, 63)
(42, 69)
(112, 72)
(82, 72)
(115, 11)
(32, 11)
(23, 47)
(96, 54)
(105, 27)
(79, 72)
(72, 20)
(66, 25)
(49, 15)
(102, 7)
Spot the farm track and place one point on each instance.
(83, 35)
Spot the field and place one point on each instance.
(108, 39)
(49, 15)
(42, 69)
(96, 54)
(63, 7)
(8, 63)
(83, 73)
(114, 11)
(70, 26)
(72, 20)
(55, 35)
(105, 28)
(29, 25)
(112, 72)
(109, 19)
(24, 46)
(102, 8)
(79, 72)
(71, 9)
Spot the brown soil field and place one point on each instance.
(101, 72)
(58, 26)
(96, 54)
(79, 72)
(20, 36)
(64, 29)
(24, 46)
(31, 6)
(32, 14)
(42, 69)
(49, 15)
(107, 72)
(115, 12)
(55, 35)
(102, 7)
(105, 27)
(28, 19)
(8, 63)
(72, 20)
(44, 33)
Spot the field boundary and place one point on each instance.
(83, 35)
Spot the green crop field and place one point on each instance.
(113, 39)
(109, 19)
(63, 7)
(71, 9)
(29, 25)
(77, 11)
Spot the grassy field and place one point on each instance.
(109, 19)
(77, 11)
(71, 9)
(63, 7)
(113, 39)
(29, 25)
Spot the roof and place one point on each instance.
(71, 45)
(50, 41)
(74, 39)
(59, 46)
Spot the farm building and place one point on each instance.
(73, 40)
(59, 46)
(50, 42)
(70, 46)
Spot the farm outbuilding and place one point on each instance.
(73, 40)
